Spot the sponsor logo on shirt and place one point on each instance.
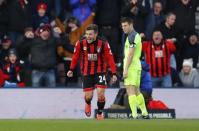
(158, 54)
(92, 57)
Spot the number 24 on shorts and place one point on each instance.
(102, 79)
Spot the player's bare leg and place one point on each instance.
(100, 103)
(88, 98)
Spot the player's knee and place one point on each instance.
(101, 98)
(88, 96)
(130, 91)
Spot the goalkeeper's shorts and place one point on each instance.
(133, 78)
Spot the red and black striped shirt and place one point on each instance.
(93, 57)
(9, 70)
(158, 57)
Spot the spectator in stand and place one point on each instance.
(185, 16)
(43, 55)
(189, 76)
(82, 9)
(190, 48)
(56, 8)
(3, 16)
(50, 4)
(136, 10)
(157, 53)
(170, 33)
(11, 71)
(75, 30)
(168, 29)
(6, 44)
(154, 19)
(71, 31)
(2, 81)
(19, 17)
(146, 82)
(23, 53)
(40, 18)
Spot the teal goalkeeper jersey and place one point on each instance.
(133, 40)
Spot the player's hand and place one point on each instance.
(70, 73)
(29, 34)
(142, 35)
(57, 30)
(113, 79)
(172, 40)
(125, 74)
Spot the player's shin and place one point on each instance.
(141, 104)
(87, 100)
(133, 105)
(88, 106)
(101, 104)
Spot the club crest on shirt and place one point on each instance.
(98, 50)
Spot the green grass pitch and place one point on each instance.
(94, 125)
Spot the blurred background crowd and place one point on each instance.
(37, 38)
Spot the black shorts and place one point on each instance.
(91, 82)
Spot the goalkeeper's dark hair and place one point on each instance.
(126, 19)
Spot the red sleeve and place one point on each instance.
(144, 46)
(76, 55)
(18, 69)
(21, 84)
(171, 46)
(109, 57)
(1, 78)
(6, 76)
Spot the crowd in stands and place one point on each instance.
(37, 38)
